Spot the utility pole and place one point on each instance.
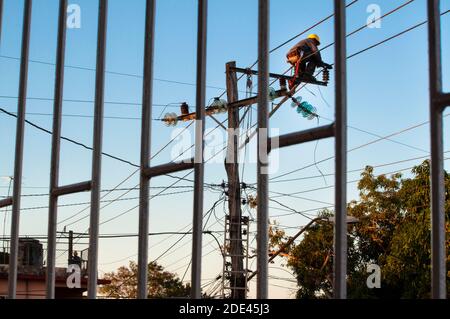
(70, 250)
(237, 277)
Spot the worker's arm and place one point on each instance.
(317, 57)
(319, 61)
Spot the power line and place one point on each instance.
(113, 236)
(356, 148)
(304, 198)
(298, 212)
(131, 277)
(102, 201)
(372, 22)
(374, 134)
(393, 37)
(382, 17)
(179, 240)
(356, 170)
(103, 190)
(106, 154)
(128, 210)
(208, 212)
(166, 145)
(168, 187)
(81, 116)
(109, 72)
(308, 29)
(131, 175)
(215, 238)
(204, 255)
(327, 207)
(88, 101)
(284, 287)
(84, 145)
(184, 234)
(350, 182)
(70, 140)
(290, 208)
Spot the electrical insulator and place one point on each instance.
(211, 110)
(296, 101)
(219, 105)
(326, 75)
(170, 119)
(249, 82)
(272, 94)
(307, 110)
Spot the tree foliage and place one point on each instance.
(161, 284)
(393, 232)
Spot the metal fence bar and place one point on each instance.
(305, 136)
(55, 156)
(147, 97)
(340, 226)
(438, 253)
(18, 162)
(72, 189)
(97, 150)
(263, 121)
(196, 269)
(6, 202)
(1, 18)
(443, 100)
(159, 170)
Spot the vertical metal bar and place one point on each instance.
(438, 253)
(340, 226)
(18, 163)
(147, 97)
(70, 248)
(97, 152)
(263, 121)
(196, 269)
(56, 138)
(1, 19)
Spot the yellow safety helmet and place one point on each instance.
(315, 37)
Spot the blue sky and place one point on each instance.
(387, 92)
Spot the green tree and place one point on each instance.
(161, 284)
(393, 232)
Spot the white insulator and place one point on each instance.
(272, 94)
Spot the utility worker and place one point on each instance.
(305, 58)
